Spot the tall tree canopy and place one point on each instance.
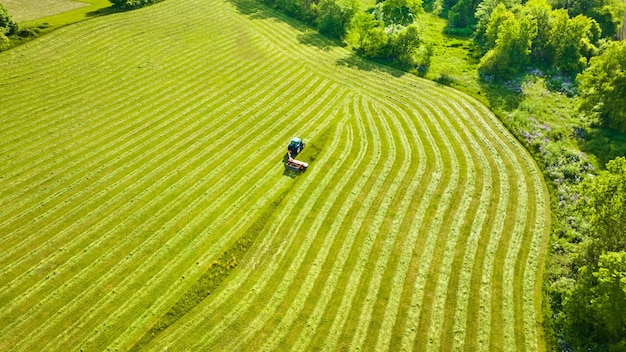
(608, 13)
(596, 307)
(511, 38)
(7, 25)
(603, 86)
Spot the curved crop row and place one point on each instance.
(136, 148)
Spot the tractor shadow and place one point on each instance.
(289, 172)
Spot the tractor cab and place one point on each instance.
(295, 146)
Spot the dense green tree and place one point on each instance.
(334, 16)
(596, 307)
(404, 45)
(513, 39)
(483, 14)
(499, 17)
(367, 35)
(603, 86)
(461, 15)
(608, 13)
(389, 33)
(132, 4)
(7, 25)
(571, 40)
(398, 12)
(540, 11)
(604, 205)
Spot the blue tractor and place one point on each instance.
(295, 146)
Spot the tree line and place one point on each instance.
(586, 283)
(386, 32)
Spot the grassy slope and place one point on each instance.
(24, 10)
(132, 161)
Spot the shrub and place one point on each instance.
(7, 25)
(132, 4)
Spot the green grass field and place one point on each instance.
(25, 10)
(136, 148)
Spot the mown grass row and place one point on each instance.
(419, 225)
(522, 318)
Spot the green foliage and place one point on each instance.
(461, 15)
(404, 45)
(7, 25)
(541, 12)
(334, 16)
(608, 13)
(570, 38)
(372, 37)
(483, 14)
(605, 207)
(595, 307)
(367, 35)
(498, 17)
(534, 34)
(513, 39)
(603, 86)
(132, 4)
(400, 12)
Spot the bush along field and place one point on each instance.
(144, 203)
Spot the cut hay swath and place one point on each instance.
(136, 149)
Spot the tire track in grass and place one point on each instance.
(533, 271)
(430, 226)
(322, 111)
(163, 94)
(304, 337)
(454, 322)
(139, 171)
(288, 279)
(316, 192)
(351, 171)
(228, 295)
(422, 185)
(473, 228)
(520, 321)
(446, 209)
(121, 162)
(97, 128)
(354, 228)
(373, 290)
(509, 316)
(460, 215)
(294, 311)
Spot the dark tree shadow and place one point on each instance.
(356, 61)
(504, 96)
(602, 143)
(104, 11)
(315, 39)
(252, 9)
